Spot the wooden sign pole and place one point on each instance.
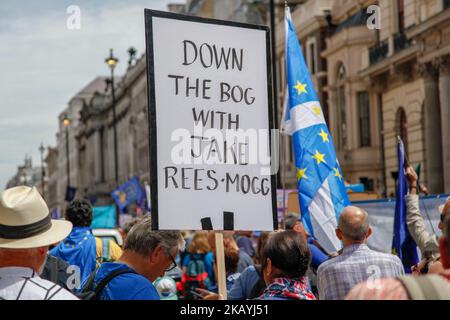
(220, 262)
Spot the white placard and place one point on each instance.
(209, 115)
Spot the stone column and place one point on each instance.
(444, 94)
(432, 124)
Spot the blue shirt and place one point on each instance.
(230, 280)
(317, 255)
(127, 286)
(242, 286)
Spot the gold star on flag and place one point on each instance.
(301, 88)
(317, 110)
(320, 157)
(337, 173)
(301, 174)
(324, 136)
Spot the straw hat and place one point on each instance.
(25, 221)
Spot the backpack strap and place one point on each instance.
(53, 268)
(90, 281)
(102, 284)
(429, 287)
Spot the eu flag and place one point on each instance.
(403, 244)
(321, 189)
(128, 193)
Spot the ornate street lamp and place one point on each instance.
(112, 61)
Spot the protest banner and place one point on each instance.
(209, 89)
(210, 115)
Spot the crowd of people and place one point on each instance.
(47, 259)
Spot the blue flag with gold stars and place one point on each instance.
(321, 189)
(128, 193)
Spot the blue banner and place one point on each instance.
(403, 244)
(104, 217)
(128, 193)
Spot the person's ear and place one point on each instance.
(156, 253)
(369, 233)
(42, 251)
(445, 260)
(339, 234)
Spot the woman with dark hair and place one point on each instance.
(285, 259)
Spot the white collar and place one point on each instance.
(18, 272)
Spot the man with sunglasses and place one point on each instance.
(427, 243)
(147, 255)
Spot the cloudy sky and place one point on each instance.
(43, 64)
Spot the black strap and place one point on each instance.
(87, 290)
(102, 284)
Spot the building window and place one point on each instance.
(364, 118)
(402, 127)
(368, 184)
(341, 110)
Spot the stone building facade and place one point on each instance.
(95, 136)
(383, 83)
(408, 70)
(63, 154)
(29, 175)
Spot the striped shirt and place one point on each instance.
(18, 283)
(337, 276)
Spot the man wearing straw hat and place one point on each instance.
(26, 231)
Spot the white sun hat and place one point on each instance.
(25, 221)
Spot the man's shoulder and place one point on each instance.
(379, 289)
(383, 256)
(132, 286)
(330, 264)
(37, 288)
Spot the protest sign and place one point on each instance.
(209, 89)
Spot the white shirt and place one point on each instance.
(19, 283)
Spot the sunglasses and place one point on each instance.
(442, 217)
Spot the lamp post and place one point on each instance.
(41, 150)
(111, 61)
(66, 123)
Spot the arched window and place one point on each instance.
(341, 119)
(401, 127)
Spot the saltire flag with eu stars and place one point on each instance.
(321, 189)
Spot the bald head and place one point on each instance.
(354, 223)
